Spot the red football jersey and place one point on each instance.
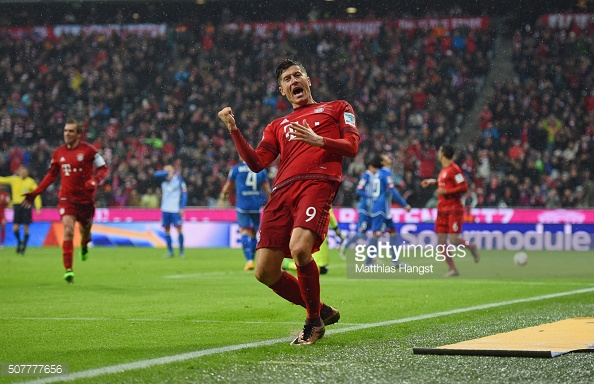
(452, 180)
(302, 161)
(4, 199)
(75, 166)
(4, 202)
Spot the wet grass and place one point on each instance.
(129, 305)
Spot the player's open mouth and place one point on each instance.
(298, 91)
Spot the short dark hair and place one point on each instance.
(376, 161)
(448, 151)
(286, 63)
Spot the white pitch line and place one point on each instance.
(213, 351)
(460, 310)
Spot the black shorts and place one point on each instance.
(22, 215)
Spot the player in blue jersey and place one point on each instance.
(248, 189)
(365, 192)
(383, 192)
(173, 201)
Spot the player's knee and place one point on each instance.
(300, 252)
(266, 277)
(68, 233)
(259, 275)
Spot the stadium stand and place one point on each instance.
(146, 99)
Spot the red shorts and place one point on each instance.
(82, 212)
(449, 222)
(302, 203)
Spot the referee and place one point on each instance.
(20, 184)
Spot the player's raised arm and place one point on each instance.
(226, 115)
(256, 159)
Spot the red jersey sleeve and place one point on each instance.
(50, 177)
(256, 159)
(348, 146)
(452, 180)
(457, 185)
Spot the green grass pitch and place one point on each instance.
(133, 317)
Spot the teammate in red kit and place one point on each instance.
(311, 142)
(81, 169)
(451, 185)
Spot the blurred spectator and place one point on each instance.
(493, 191)
(120, 198)
(432, 202)
(427, 156)
(552, 199)
(150, 199)
(567, 200)
(470, 199)
(579, 198)
(134, 198)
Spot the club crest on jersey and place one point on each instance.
(80, 157)
(319, 110)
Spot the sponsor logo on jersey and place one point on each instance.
(288, 131)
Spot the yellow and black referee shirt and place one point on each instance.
(19, 187)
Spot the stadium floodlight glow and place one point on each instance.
(351, 10)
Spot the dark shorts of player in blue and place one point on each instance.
(171, 218)
(248, 220)
(382, 224)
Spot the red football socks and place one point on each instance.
(287, 287)
(309, 285)
(67, 251)
(466, 243)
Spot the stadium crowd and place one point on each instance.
(536, 146)
(149, 101)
